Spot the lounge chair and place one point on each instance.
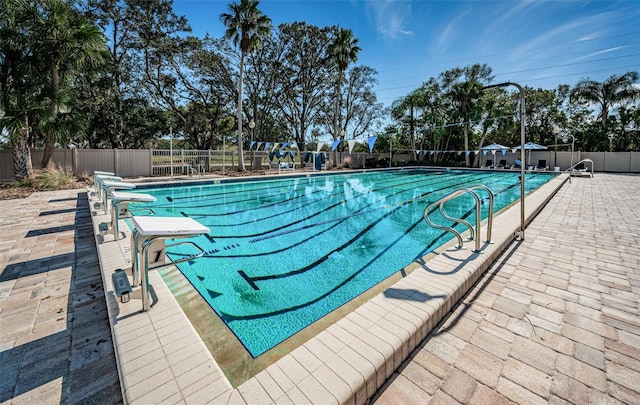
(488, 164)
(518, 164)
(281, 155)
(503, 164)
(542, 165)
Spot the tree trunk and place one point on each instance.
(336, 123)
(466, 144)
(21, 155)
(412, 134)
(476, 159)
(241, 167)
(55, 88)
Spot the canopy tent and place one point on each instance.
(493, 148)
(529, 146)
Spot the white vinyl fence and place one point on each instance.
(148, 163)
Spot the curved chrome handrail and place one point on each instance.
(474, 234)
(490, 215)
(571, 169)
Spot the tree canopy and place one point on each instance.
(123, 74)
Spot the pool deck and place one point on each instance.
(554, 319)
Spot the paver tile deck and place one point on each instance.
(554, 319)
(564, 305)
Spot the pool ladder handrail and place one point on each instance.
(572, 169)
(472, 234)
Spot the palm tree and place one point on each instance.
(19, 81)
(343, 50)
(616, 90)
(246, 26)
(405, 110)
(464, 90)
(465, 96)
(68, 41)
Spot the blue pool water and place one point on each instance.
(283, 253)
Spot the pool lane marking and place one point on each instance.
(273, 204)
(225, 195)
(337, 222)
(212, 253)
(345, 245)
(361, 233)
(269, 233)
(252, 280)
(323, 211)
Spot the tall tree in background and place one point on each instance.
(464, 88)
(405, 110)
(19, 81)
(361, 108)
(614, 91)
(111, 89)
(434, 116)
(67, 41)
(343, 50)
(304, 72)
(246, 26)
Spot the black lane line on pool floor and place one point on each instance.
(265, 234)
(251, 280)
(337, 222)
(213, 252)
(300, 270)
(272, 204)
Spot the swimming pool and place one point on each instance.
(282, 253)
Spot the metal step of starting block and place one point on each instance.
(148, 243)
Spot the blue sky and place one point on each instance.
(534, 43)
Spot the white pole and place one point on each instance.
(171, 148)
(520, 234)
(223, 154)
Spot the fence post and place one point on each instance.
(151, 162)
(74, 161)
(115, 162)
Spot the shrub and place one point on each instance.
(54, 178)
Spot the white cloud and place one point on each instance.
(391, 17)
(565, 33)
(588, 56)
(450, 32)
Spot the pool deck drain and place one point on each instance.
(161, 357)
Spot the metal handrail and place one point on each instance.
(490, 216)
(572, 168)
(472, 234)
(146, 304)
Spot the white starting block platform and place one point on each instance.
(109, 186)
(120, 206)
(149, 234)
